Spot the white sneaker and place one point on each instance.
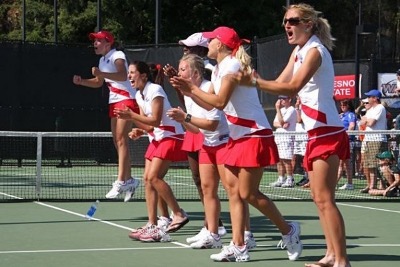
(115, 190)
(207, 241)
(136, 233)
(231, 253)
(198, 236)
(222, 231)
(154, 234)
(347, 186)
(278, 183)
(163, 222)
(130, 187)
(250, 241)
(288, 183)
(292, 242)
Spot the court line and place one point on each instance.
(154, 248)
(84, 250)
(99, 220)
(366, 207)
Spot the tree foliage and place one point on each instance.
(133, 21)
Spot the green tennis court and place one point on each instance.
(53, 230)
(56, 233)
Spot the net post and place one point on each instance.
(39, 164)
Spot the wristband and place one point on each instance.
(188, 117)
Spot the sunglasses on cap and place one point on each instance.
(292, 21)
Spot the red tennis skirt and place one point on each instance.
(193, 141)
(257, 151)
(325, 146)
(130, 103)
(212, 154)
(168, 148)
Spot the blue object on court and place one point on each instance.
(92, 210)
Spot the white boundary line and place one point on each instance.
(180, 245)
(156, 248)
(99, 220)
(82, 250)
(369, 208)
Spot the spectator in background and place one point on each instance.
(300, 143)
(284, 122)
(393, 139)
(389, 116)
(390, 174)
(349, 119)
(398, 81)
(360, 112)
(374, 119)
(112, 70)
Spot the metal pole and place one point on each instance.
(157, 22)
(357, 56)
(23, 21)
(55, 21)
(99, 27)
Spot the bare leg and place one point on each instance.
(212, 206)
(236, 204)
(151, 195)
(158, 168)
(249, 182)
(323, 181)
(120, 129)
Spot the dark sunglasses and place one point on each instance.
(292, 21)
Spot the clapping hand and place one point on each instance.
(182, 84)
(125, 113)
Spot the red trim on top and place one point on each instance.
(118, 91)
(314, 114)
(167, 128)
(241, 122)
(263, 132)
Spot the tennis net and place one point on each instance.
(82, 166)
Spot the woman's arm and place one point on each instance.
(218, 101)
(157, 106)
(119, 76)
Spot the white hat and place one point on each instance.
(196, 39)
(365, 100)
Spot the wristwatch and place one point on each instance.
(254, 82)
(188, 117)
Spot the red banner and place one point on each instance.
(344, 87)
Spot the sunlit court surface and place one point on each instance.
(43, 209)
(57, 233)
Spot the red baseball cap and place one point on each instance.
(102, 35)
(227, 36)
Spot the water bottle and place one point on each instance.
(92, 210)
